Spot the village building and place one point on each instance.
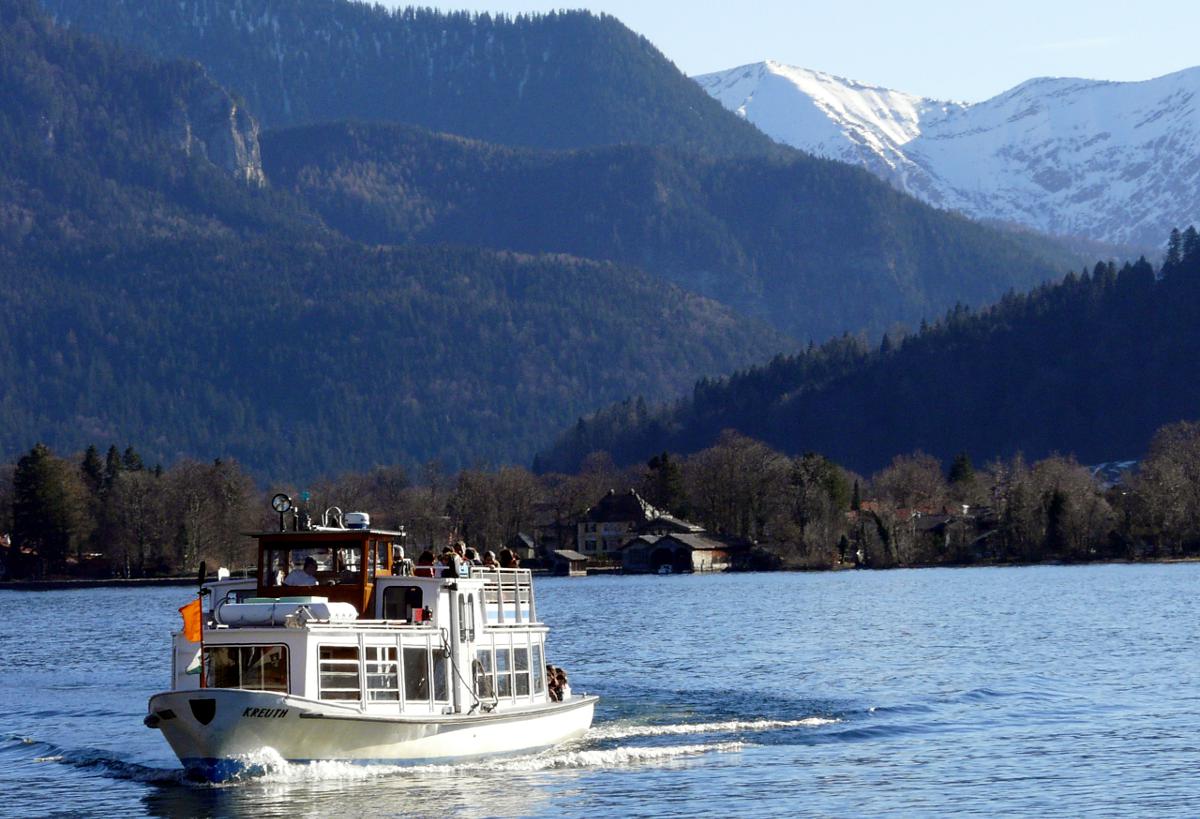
(568, 563)
(606, 527)
(523, 546)
(676, 553)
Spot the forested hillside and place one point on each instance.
(153, 291)
(1091, 366)
(97, 142)
(563, 79)
(813, 246)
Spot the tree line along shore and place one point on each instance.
(93, 516)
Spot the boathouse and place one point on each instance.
(682, 552)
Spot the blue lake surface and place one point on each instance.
(1036, 691)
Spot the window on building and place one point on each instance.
(383, 674)
(339, 666)
(252, 668)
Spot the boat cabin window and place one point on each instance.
(503, 672)
(521, 672)
(539, 670)
(383, 674)
(337, 563)
(485, 679)
(378, 562)
(339, 672)
(399, 602)
(253, 668)
(416, 673)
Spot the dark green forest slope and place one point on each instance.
(813, 246)
(154, 291)
(1091, 366)
(97, 142)
(558, 80)
(303, 359)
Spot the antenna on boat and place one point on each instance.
(203, 575)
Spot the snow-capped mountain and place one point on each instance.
(1116, 162)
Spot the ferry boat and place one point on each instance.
(370, 661)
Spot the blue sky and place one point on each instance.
(946, 50)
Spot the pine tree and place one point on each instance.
(112, 467)
(92, 470)
(1190, 261)
(962, 470)
(1174, 253)
(131, 461)
(45, 513)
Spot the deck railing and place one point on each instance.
(507, 595)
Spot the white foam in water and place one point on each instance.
(267, 766)
(626, 730)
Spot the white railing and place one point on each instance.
(507, 595)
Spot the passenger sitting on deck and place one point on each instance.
(508, 559)
(552, 684)
(450, 563)
(306, 576)
(424, 564)
(473, 556)
(564, 687)
(489, 559)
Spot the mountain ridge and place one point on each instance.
(558, 80)
(1064, 156)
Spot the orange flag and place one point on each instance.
(192, 617)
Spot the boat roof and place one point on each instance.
(317, 531)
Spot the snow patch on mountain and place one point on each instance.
(1115, 162)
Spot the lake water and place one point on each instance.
(1026, 691)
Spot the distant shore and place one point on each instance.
(151, 582)
(117, 582)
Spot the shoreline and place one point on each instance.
(112, 582)
(151, 582)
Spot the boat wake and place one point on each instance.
(110, 764)
(268, 767)
(624, 730)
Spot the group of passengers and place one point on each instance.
(454, 559)
(556, 684)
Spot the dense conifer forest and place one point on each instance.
(1089, 366)
(812, 246)
(559, 80)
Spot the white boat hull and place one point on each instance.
(216, 731)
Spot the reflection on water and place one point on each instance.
(996, 691)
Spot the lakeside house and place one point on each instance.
(568, 563)
(607, 526)
(681, 552)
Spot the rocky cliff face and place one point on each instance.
(208, 122)
(1114, 162)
